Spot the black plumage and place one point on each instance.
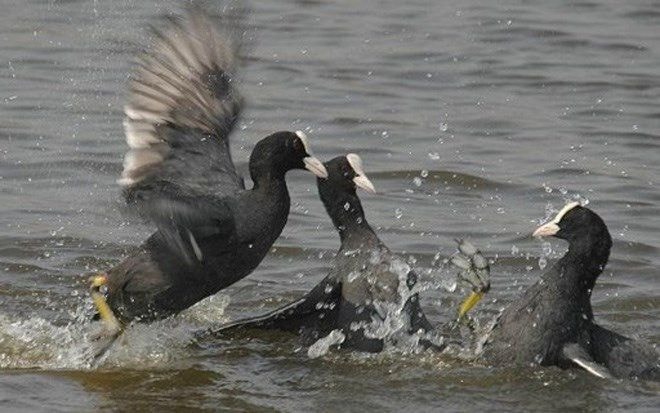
(370, 293)
(178, 174)
(552, 323)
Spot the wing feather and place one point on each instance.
(182, 106)
(184, 84)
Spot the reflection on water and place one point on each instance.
(474, 120)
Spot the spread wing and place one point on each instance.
(182, 106)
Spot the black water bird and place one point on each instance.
(178, 173)
(370, 297)
(552, 323)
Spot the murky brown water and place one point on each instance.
(472, 118)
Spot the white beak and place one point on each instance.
(552, 227)
(315, 166)
(361, 181)
(546, 230)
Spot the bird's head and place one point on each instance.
(589, 240)
(345, 174)
(571, 223)
(280, 152)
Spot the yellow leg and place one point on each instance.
(107, 315)
(469, 303)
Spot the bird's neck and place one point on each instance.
(349, 220)
(266, 171)
(268, 181)
(584, 262)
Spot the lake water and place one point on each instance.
(473, 119)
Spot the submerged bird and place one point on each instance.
(370, 297)
(552, 323)
(178, 173)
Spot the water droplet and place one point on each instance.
(434, 156)
(417, 181)
(444, 127)
(398, 213)
(347, 206)
(546, 247)
(352, 276)
(543, 262)
(322, 346)
(424, 173)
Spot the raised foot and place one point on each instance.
(474, 271)
(97, 284)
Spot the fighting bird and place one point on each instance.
(552, 322)
(210, 230)
(371, 296)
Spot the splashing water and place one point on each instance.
(392, 323)
(322, 345)
(39, 343)
(389, 298)
(543, 262)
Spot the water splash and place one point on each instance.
(543, 262)
(322, 345)
(36, 342)
(392, 323)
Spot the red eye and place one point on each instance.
(297, 145)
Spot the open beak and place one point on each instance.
(315, 166)
(361, 181)
(546, 230)
(469, 303)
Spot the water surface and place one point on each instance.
(473, 119)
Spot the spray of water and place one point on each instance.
(391, 323)
(34, 342)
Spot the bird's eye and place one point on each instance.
(297, 145)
